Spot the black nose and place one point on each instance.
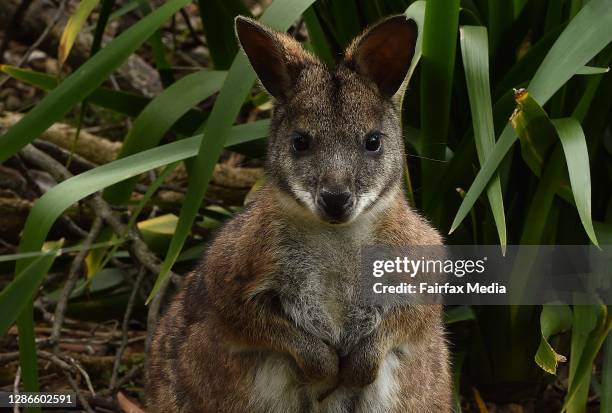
(335, 204)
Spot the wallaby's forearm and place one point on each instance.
(259, 322)
(399, 325)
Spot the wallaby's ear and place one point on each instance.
(384, 52)
(276, 57)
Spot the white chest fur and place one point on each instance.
(321, 270)
(276, 390)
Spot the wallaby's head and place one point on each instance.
(335, 144)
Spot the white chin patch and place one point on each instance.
(305, 198)
(374, 201)
(364, 201)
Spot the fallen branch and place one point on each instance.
(136, 246)
(73, 275)
(125, 328)
(94, 148)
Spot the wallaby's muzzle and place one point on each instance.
(335, 206)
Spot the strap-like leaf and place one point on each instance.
(159, 115)
(83, 81)
(577, 160)
(585, 36)
(474, 49)
(73, 27)
(554, 319)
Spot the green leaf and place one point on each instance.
(73, 27)
(501, 16)
(17, 300)
(158, 231)
(591, 347)
(159, 115)
(457, 363)
(437, 67)
(103, 18)
(416, 12)
(83, 81)
(240, 79)
(457, 314)
(218, 23)
(346, 20)
(554, 319)
(128, 104)
(59, 198)
(534, 224)
(54, 202)
(535, 131)
(504, 143)
(134, 214)
(125, 9)
(585, 36)
(474, 48)
(19, 292)
(585, 322)
(131, 105)
(589, 70)
(537, 134)
(577, 160)
(57, 252)
(318, 42)
(606, 377)
(159, 51)
(106, 280)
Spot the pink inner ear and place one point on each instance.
(262, 49)
(385, 53)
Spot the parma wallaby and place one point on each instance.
(270, 320)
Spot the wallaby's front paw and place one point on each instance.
(318, 361)
(360, 367)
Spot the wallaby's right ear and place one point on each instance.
(276, 57)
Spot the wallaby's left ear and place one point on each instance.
(384, 52)
(276, 58)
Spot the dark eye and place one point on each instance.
(300, 141)
(372, 141)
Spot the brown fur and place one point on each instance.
(269, 321)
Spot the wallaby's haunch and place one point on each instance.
(270, 320)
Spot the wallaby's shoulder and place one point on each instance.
(243, 252)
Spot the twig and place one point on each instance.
(60, 154)
(73, 367)
(153, 313)
(137, 247)
(83, 373)
(73, 275)
(190, 28)
(66, 221)
(133, 372)
(16, 387)
(125, 327)
(57, 360)
(80, 396)
(8, 245)
(8, 357)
